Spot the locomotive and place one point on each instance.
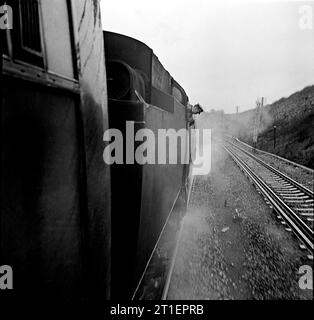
(74, 228)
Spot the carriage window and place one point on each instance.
(58, 38)
(30, 30)
(26, 32)
(42, 35)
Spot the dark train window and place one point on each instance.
(30, 29)
(26, 34)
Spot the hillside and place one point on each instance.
(294, 120)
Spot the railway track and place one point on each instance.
(293, 202)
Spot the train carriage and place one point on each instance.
(55, 187)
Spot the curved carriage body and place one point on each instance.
(55, 187)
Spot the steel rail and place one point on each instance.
(302, 231)
(273, 155)
(277, 172)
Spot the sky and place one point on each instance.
(224, 53)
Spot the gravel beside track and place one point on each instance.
(231, 245)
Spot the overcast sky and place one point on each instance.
(224, 53)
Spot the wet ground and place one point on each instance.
(231, 245)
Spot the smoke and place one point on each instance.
(238, 124)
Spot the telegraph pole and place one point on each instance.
(259, 105)
(275, 136)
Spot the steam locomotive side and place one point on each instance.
(141, 91)
(74, 228)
